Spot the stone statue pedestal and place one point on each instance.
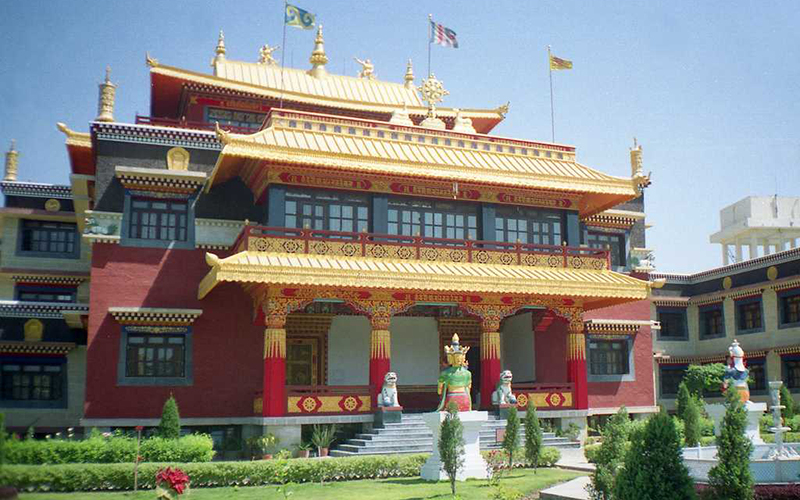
(388, 415)
(502, 411)
(474, 464)
(754, 412)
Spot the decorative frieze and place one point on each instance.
(154, 316)
(40, 310)
(36, 190)
(20, 347)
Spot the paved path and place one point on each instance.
(571, 490)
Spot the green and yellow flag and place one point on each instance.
(298, 17)
(557, 63)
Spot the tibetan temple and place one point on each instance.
(268, 243)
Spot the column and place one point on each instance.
(379, 355)
(793, 243)
(576, 363)
(725, 254)
(274, 398)
(490, 360)
(753, 248)
(738, 251)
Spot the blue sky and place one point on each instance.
(710, 89)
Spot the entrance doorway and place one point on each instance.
(307, 348)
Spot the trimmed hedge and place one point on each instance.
(114, 449)
(761, 491)
(109, 477)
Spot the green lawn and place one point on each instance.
(523, 480)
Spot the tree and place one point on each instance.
(701, 378)
(451, 445)
(788, 402)
(691, 423)
(533, 436)
(170, 425)
(610, 455)
(2, 439)
(731, 478)
(511, 438)
(682, 400)
(654, 468)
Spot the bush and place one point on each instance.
(788, 402)
(609, 456)
(793, 423)
(170, 425)
(106, 477)
(682, 401)
(549, 456)
(706, 426)
(731, 478)
(789, 437)
(511, 437)
(115, 449)
(2, 439)
(591, 452)
(701, 378)
(533, 437)
(764, 423)
(691, 421)
(451, 445)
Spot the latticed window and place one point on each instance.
(326, 210)
(163, 220)
(608, 357)
(432, 219)
(791, 372)
(749, 315)
(235, 118)
(32, 382)
(27, 293)
(526, 225)
(49, 237)
(712, 322)
(614, 243)
(673, 323)
(670, 378)
(156, 355)
(758, 373)
(790, 306)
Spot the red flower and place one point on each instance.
(139, 428)
(176, 479)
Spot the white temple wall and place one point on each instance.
(517, 347)
(415, 350)
(348, 350)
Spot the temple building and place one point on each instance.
(268, 243)
(754, 300)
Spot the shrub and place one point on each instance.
(106, 477)
(691, 423)
(706, 426)
(590, 452)
(2, 439)
(115, 449)
(788, 402)
(731, 478)
(609, 457)
(511, 437)
(764, 423)
(451, 445)
(549, 456)
(682, 401)
(793, 423)
(170, 425)
(701, 378)
(654, 466)
(533, 437)
(789, 437)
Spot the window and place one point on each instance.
(712, 322)
(526, 225)
(327, 210)
(758, 373)
(671, 377)
(789, 307)
(236, 118)
(432, 219)
(33, 383)
(673, 323)
(614, 243)
(161, 220)
(29, 293)
(748, 315)
(155, 355)
(49, 239)
(791, 372)
(608, 357)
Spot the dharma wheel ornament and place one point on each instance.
(433, 92)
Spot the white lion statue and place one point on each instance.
(502, 395)
(388, 395)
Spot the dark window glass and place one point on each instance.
(750, 315)
(673, 324)
(56, 238)
(791, 373)
(712, 322)
(670, 378)
(527, 225)
(28, 293)
(608, 357)
(790, 306)
(328, 210)
(758, 373)
(433, 219)
(155, 355)
(235, 118)
(32, 382)
(163, 220)
(615, 243)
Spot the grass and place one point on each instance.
(523, 480)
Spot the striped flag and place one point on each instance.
(298, 18)
(557, 63)
(443, 36)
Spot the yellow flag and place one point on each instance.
(557, 63)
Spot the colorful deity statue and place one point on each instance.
(455, 381)
(736, 373)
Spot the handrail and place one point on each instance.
(328, 389)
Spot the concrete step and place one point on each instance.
(388, 448)
(369, 443)
(390, 437)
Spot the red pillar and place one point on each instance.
(576, 364)
(490, 363)
(274, 397)
(379, 359)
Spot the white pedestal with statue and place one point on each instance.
(754, 412)
(474, 464)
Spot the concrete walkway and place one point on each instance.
(571, 490)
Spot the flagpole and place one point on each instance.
(552, 111)
(283, 56)
(430, 35)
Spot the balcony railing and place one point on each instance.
(386, 246)
(182, 123)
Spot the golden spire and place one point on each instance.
(105, 104)
(219, 51)
(318, 58)
(12, 157)
(409, 78)
(636, 160)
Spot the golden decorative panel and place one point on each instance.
(52, 205)
(177, 159)
(313, 403)
(549, 399)
(34, 329)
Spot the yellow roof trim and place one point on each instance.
(79, 139)
(358, 272)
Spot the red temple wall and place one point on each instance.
(227, 348)
(550, 352)
(638, 392)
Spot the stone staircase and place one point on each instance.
(412, 436)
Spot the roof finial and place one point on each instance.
(12, 157)
(432, 92)
(219, 51)
(318, 58)
(105, 104)
(636, 159)
(409, 78)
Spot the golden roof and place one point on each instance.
(371, 147)
(597, 288)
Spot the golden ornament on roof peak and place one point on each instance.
(219, 51)
(318, 58)
(265, 55)
(409, 77)
(12, 159)
(151, 62)
(105, 104)
(367, 69)
(433, 92)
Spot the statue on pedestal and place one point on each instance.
(388, 396)
(455, 381)
(502, 395)
(736, 373)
